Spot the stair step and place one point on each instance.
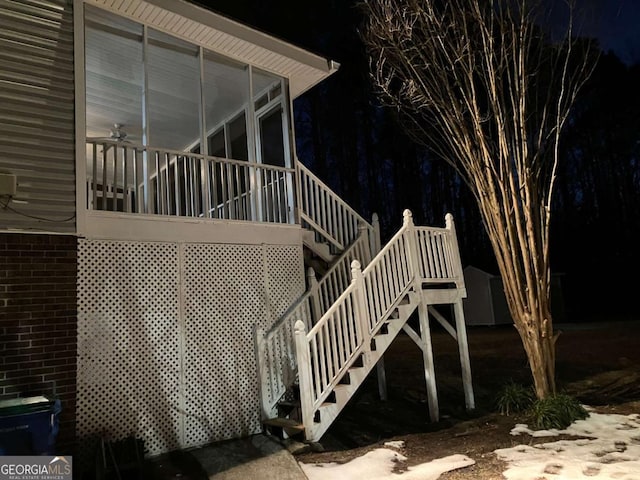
(283, 422)
(289, 409)
(358, 362)
(283, 426)
(384, 329)
(321, 249)
(356, 375)
(342, 393)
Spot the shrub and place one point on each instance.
(514, 398)
(556, 411)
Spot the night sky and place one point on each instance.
(615, 23)
(362, 153)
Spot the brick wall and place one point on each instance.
(38, 322)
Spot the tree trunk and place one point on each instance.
(519, 239)
(540, 349)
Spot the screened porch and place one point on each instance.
(173, 128)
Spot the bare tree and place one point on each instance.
(481, 84)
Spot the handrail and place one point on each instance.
(331, 355)
(132, 178)
(325, 212)
(276, 355)
(413, 257)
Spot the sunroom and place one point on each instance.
(188, 114)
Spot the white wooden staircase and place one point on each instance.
(313, 360)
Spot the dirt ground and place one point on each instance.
(597, 363)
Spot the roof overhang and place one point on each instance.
(227, 37)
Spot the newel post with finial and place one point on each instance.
(305, 380)
(360, 304)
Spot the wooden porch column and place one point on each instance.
(423, 314)
(463, 348)
(427, 358)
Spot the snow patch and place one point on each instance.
(609, 449)
(612, 450)
(379, 464)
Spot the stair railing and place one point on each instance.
(413, 257)
(138, 179)
(323, 211)
(277, 362)
(438, 255)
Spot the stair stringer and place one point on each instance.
(326, 413)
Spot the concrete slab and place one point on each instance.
(255, 457)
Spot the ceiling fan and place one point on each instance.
(116, 133)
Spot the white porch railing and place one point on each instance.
(323, 211)
(125, 177)
(277, 362)
(413, 259)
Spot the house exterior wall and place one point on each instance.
(164, 345)
(37, 114)
(38, 275)
(166, 336)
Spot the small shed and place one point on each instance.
(486, 303)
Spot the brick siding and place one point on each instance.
(38, 322)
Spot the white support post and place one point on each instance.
(314, 292)
(427, 358)
(382, 379)
(412, 250)
(305, 380)
(297, 181)
(455, 252)
(423, 314)
(463, 348)
(261, 357)
(458, 313)
(361, 310)
(376, 245)
(363, 230)
(373, 244)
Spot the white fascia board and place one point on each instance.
(325, 67)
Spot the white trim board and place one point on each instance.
(163, 228)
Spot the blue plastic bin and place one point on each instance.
(28, 426)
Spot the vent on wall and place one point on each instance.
(8, 184)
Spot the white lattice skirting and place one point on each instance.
(165, 337)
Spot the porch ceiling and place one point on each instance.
(227, 37)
